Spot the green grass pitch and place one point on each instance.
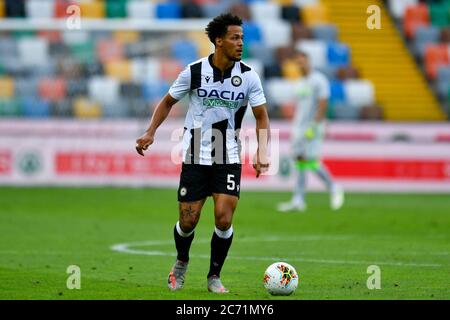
(44, 230)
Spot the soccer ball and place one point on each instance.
(280, 279)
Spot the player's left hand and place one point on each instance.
(260, 165)
(310, 133)
(143, 142)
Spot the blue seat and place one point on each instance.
(184, 51)
(425, 35)
(443, 80)
(337, 92)
(152, 91)
(252, 32)
(261, 52)
(325, 32)
(169, 10)
(338, 54)
(34, 107)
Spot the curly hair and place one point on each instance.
(218, 27)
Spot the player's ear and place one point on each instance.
(219, 41)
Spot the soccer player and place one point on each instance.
(219, 87)
(311, 94)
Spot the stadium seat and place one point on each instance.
(424, 36)
(260, 52)
(40, 9)
(33, 51)
(75, 36)
(256, 65)
(126, 36)
(439, 14)
(281, 29)
(92, 9)
(15, 8)
(290, 13)
(170, 69)
(435, 56)
(252, 32)
(443, 80)
(2, 9)
(213, 9)
(109, 50)
(316, 50)
(52, 89)
(168, 10)
(115, 109)
(84, 108)
(303, 3)
(325, 32)
(52, 36)
(83, 52)
(60, 9)
(137, 9)
(280, 91)
(154, 91)
(26, 87)
(314, 14)
(152, 69)
(10, 107)
(119, 69)
(345, 112)
(415, 16)
(359, 93)
(138, 108)
(6, 87)
(264, 11)
(398, 7)
(337, 92)
(103, 89)
(116, 8)
(290, 70)
(77, 87)
(184, 51)
(35, 108)
(338, 54)
(61, 108)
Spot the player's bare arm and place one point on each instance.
(261, 163)
(321, 110)
(161, 112)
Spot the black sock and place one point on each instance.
(183, 244)
(219, 251)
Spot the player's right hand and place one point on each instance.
(143, 142)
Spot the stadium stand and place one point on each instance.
(93, 73)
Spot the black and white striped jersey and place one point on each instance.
(217, 105)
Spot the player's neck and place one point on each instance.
(221, 62)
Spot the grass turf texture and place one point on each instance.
(44, 230)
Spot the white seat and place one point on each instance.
(40, 9)
(256, 65)
(280, 91)
(75, 37)
(302, 3)
(139, 9)
(359, 93)
(33, 51)
(398, 7)
(276, 33)
(264, 11)
(316, 51)
(104, 90)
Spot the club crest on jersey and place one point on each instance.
(183, 191)
(236, 81)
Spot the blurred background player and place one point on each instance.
(219, 88)
(311, 95)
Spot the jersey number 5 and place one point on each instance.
(230, 182)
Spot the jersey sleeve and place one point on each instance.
(182, 85)
(256, 95)
(324, 87)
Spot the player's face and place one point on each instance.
(233, 43)
(303, 63)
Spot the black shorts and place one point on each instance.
(200, 181)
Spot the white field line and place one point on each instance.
(130, 248)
